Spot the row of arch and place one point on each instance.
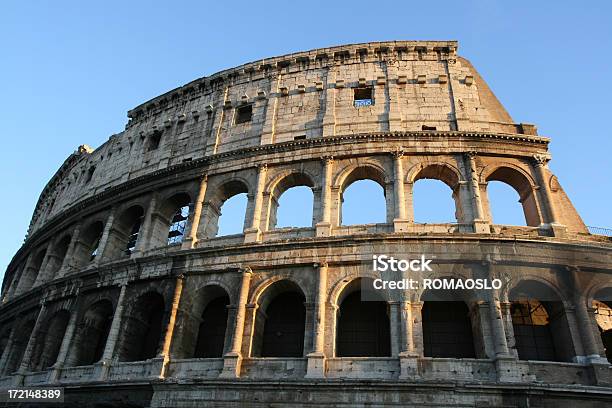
(138, 226)
(362, 327)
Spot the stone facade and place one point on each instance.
(100, 301)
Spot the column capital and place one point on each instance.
(245, 270)
(540, 160)
(397, 153)
(262, 166)
(327, 159)
(471, 154)
(323, 264)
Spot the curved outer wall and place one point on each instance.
(431, 115)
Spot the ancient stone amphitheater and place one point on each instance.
(124, 295)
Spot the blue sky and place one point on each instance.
(71, 70)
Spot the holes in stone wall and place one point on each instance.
(447, 330)
(352, 203)
(294, 208)
(244, 114)
(232, 215)
(363, 97)
(505, 204)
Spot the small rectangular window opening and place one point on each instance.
(425, 127)
(363, 97)
(300, 137)
(154, 141)
(90, 174)
(244, 114)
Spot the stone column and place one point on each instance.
(21, 284)
(104, 238)
(69, 257)
(481, 225)
(497, 328)
(7, 350)
(176, 300)
(323, 227)
(253, 234)
(548, 202)
(192, 237)
(65, 346)
(113, 335)
(316, 359)
(585, 326)
(395, 329)
(24, 367)
(146, 229)
(233, 359)
(408, 355)
(400, 221)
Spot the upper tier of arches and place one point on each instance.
(187, 214)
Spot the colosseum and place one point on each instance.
(125, 294)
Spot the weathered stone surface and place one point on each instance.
(124, 328)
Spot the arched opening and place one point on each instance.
(142, 331)
(229, 199)
(520, 183)
(505, 204)
(212, 308)
(17, 350)
(363, 185)
(51, 337)
(603, 317)
(4, 339)
(31, 272)
(86, 249)
(169, 226)
(537, 313)
(291, 202)
(432, 202)
(362, 326)
(280, 322)
(124, 235)
(60, 251)
(232, 215)
(91, 334)
(447, 329)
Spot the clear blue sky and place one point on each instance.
(70, 71)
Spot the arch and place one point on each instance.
(4, 340)
(277, 188)
(602, 309)
(91, 334)
(124, 234)
(362, 326)
(447, 329)
(31, 272)
(210, 306)
(142, 329)
(50, 339)
(425, 175)
(86, 249)
(357, 173)
(18, 346)
(218, 197)
(537, 312)
(364, 171)
(280, 321)
(444, 172)
(59, 251)
(521, 182)
(169, 226)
